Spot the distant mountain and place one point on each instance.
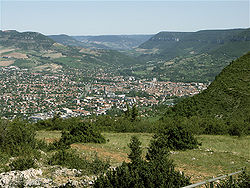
(172, 44)
(192, 56)
(168, 56)
(227, 97)
(25, 40)
(71, 41)
(39, 52)
(116, 42)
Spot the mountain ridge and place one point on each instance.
(39, 49)
(192, 56)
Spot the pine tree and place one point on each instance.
(127, 112)
(136, 151)
(134, 113)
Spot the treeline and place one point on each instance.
(128, 121)
(131, 121)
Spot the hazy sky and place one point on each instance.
(122, 17)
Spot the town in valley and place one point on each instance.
(39, 95)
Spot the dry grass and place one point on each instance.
(6, 50)
(54, 55)
(6, 63)
(16, 55)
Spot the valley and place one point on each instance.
(171, 109)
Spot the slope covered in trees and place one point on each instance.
(25, 40)
(228, 96)
(172, 44)
(192, 56)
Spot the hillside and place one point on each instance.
(227, 97)
(115, 42)
(171, 44)
(168, 56)
(71, 41)
(39, 52)
(25, 40)
(192, 56)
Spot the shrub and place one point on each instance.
(136, 151)
(22, 163)
(71, 159)
(17, 137)
(238, 128)
(57, 123)
(213, 126)
(82, 132)
(158, 171)
(105, 123)
(4, 158)
(174, 136)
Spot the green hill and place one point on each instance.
(171, 44)
(36, 51)
(228, 96)
(115, 42)
(71, 41)
(192, 56)
(25, 40)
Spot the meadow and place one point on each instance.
(216, 156)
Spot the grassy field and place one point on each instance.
(218, 154)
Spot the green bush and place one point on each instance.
(17, 138)
(200, 125)
(123, 124)
(157, 171)
(22, 163)
(82, 132)
(238, 128)
(174, 136)
(57, 123)
(71, 159)
(136, 151)
(4, 158)
(213, 126)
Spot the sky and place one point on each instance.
(99, 17)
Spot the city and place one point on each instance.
(39, 95)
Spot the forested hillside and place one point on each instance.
(172, 44)
(167, 56)
(192, 56)
(25, 41)
(228, 97)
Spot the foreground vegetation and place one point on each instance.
(22, 147)
(218, 154)
(21, 150)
